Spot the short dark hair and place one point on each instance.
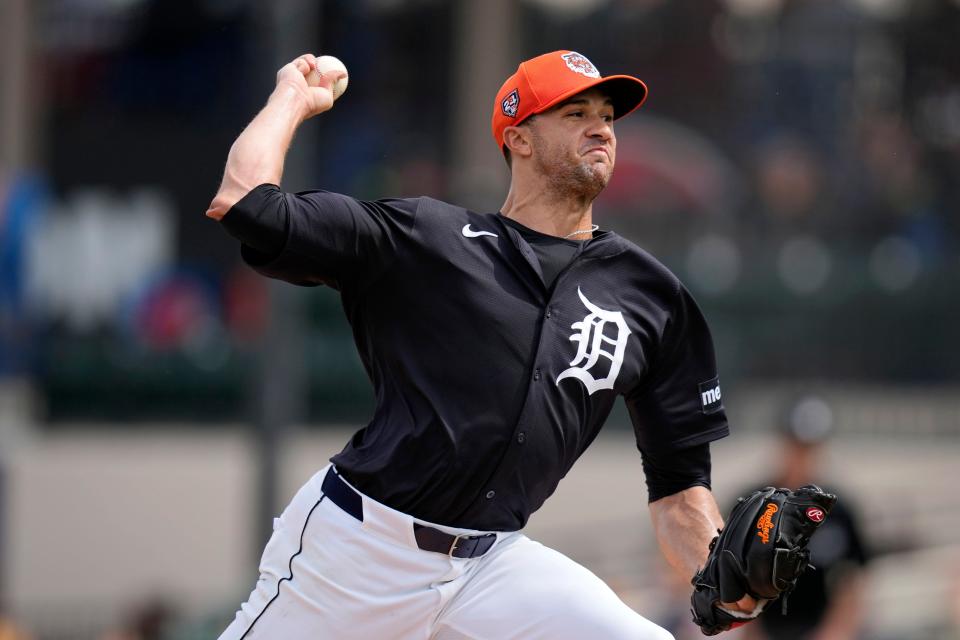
(506, 152)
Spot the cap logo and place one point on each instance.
(510, 104)
(579, 63)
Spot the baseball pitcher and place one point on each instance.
(497, 344)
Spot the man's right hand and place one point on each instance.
(314, 99)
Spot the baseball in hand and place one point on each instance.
(324, 64)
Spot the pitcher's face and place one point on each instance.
(574, 145)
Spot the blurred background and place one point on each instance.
(797, 164)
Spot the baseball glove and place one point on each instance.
(761, 551)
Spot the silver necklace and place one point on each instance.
(592, 228)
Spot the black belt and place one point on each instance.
(428, 538)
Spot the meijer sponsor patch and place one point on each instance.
(711, 400)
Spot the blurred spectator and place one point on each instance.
(21, 200)
(900, 195)
(9, 630)
(150, 621)
(828, 601)
(245, 305)
(789, 183)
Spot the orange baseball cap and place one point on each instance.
(547, 80)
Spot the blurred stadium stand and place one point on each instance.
(797, 164)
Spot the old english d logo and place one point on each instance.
(601, 333)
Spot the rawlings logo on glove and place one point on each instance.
(760, 552)
(765, 523)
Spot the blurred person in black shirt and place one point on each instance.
(828, 601)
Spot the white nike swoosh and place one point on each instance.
(470, 233)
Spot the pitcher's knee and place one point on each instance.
(611, 621)
(661, 634)
(643, 629)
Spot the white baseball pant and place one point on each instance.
(326, 574)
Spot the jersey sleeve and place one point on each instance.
(676, 471)
(318, 237)
(678, 404)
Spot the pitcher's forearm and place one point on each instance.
(257, 155)
(685, 523)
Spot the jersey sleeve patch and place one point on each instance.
(711, 400)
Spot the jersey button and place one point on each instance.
(536, 373)
(521, 437)
(490, 494)
(549, 313)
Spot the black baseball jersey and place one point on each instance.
(489, 382)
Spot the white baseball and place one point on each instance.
(329, 63)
